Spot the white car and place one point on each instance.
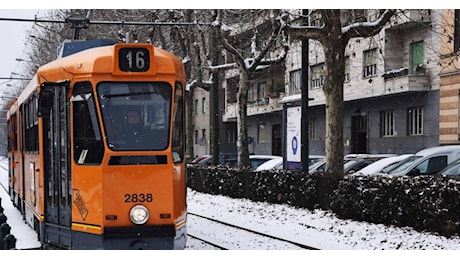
(273, 164)
(254, 160)
(382, 165)
(278, 163)
(351, 163)
(257, 160)
(427, 161)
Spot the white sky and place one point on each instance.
(12, 42)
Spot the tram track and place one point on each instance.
(258, 236)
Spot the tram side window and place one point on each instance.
(31, 124)
(88, 146)
(12, 134)
(178, 125)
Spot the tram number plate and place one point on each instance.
(141, 197)
(133, 59)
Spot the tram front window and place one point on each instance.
(136, 115)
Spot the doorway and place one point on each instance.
(358, 134)
(276, 139)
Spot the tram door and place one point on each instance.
(56, 154)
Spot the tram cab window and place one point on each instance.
(89, 148)
(136, 115)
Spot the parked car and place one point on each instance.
(451, 170)
(315, 158)
(427, 161)
(351, 163)
(254, 160)
(206, 160)
(383, 165)
(368, 155)
(317, 167)
(273, 164)
(199, 158)
(278, 163)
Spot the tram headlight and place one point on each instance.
(139, 214)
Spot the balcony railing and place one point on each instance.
(411, 18)
(398, 81)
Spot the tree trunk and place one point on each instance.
(334, 50)
(242, 101)
(214, 100)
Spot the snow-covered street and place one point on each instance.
(317, 228)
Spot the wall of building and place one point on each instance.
(201, 121)
(401, 142)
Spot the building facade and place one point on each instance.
(398, 99)
(450, 79)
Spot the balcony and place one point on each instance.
(412, 18)
(260, 107)
(399, 81)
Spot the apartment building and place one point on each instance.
(201, 123)
(391, 88)
(449, 92)
(391, 92)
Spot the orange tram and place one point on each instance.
(82, 176)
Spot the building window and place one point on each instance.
(417, 56)
(251, 94)
(295, 81)
(262, 92)
(196, 106)
(317, 78)
(347, 69)
(196, 136)
(312, 128)
(370, 63)
(203, 105)
(387, 123)
(231, 136)
(262, 133)
(232, 89)
(415, 121)
(203, 137)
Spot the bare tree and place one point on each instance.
(333, 31)
(258, 31)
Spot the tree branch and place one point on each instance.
(367, 29)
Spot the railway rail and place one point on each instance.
(237, 237)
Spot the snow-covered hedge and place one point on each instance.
(426, 203)
(429, 203)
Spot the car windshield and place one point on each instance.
(315, 165)
(348, 163)
(403, 165)
(256, 162)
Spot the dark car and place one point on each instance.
(451, 170)
(351, 163)
(354, 165)
(199, 158)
